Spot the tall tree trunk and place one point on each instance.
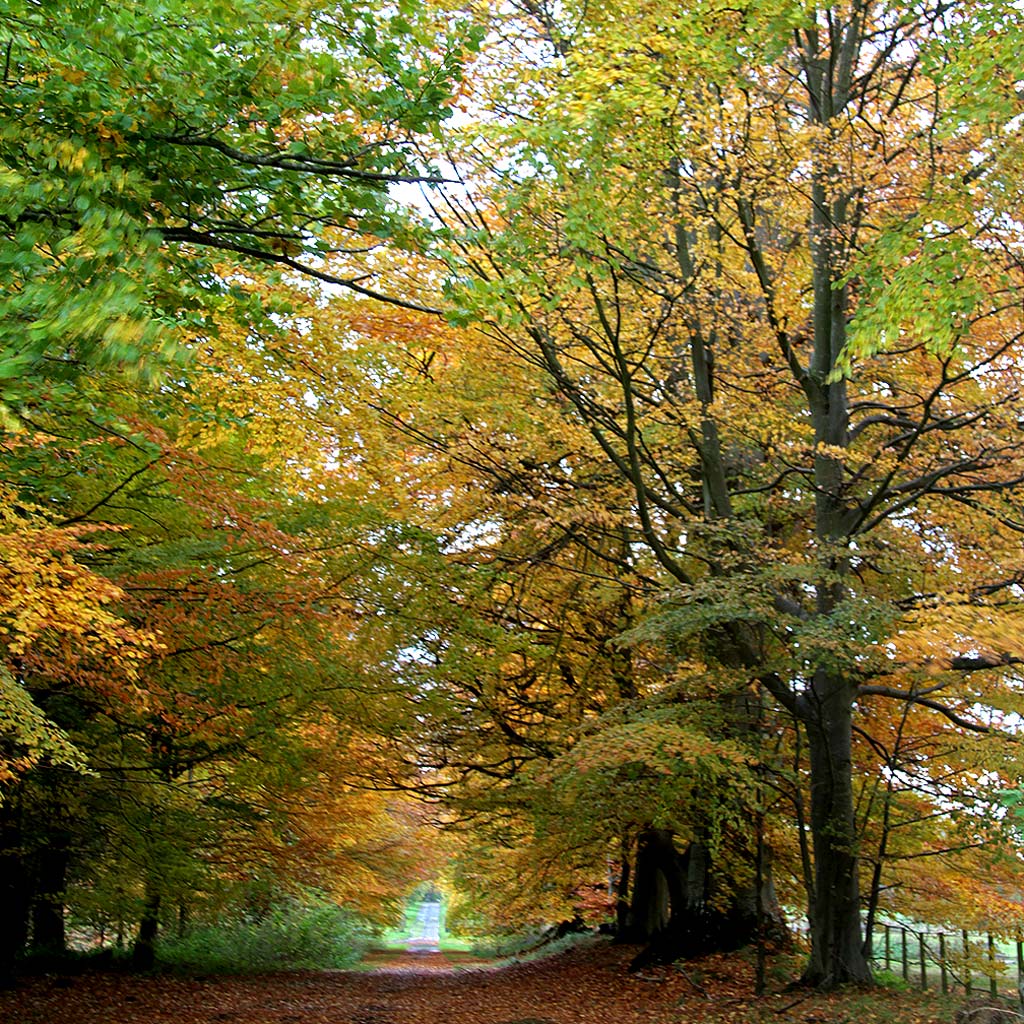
(650, 906)
(15, 891)
(837, 955)
(837, 952)
(144, 950)
(51, 870)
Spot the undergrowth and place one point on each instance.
(291, 935)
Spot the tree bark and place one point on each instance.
(14, 892)
(51, 868)
(648, 906)
(837, 952)
(144, 950)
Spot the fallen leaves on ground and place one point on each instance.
(586, 985)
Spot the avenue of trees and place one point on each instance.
(572, 448)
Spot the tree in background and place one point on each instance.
(159, 165)
(147, 152)
(527, 569)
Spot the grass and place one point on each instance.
(526, 946)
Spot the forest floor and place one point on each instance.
(587, 984)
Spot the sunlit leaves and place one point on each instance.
(134, 141)
(28, 736)
(56, 609)
(770, 261)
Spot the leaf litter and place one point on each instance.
(588, 984)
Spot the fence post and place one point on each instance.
(906, 955)
(968, 987)
(1020, 968)
(942, 963)
(993, 983)
(888, 946)
(924, 963)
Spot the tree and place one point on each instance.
(147, 155)
(526, 573)
(134, 142)
(139, 146)
(239, 579)
(202, 628)
(772, 266)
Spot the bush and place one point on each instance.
(529, 945)
(292, 935)
(891, 980)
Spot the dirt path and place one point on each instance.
(588, 985)
(580, 987)
(426, 936)
(428, 962)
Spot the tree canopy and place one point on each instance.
(642, 502)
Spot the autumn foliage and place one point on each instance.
(628, 529)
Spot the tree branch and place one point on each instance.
(914, 698)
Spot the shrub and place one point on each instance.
(293, 934)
